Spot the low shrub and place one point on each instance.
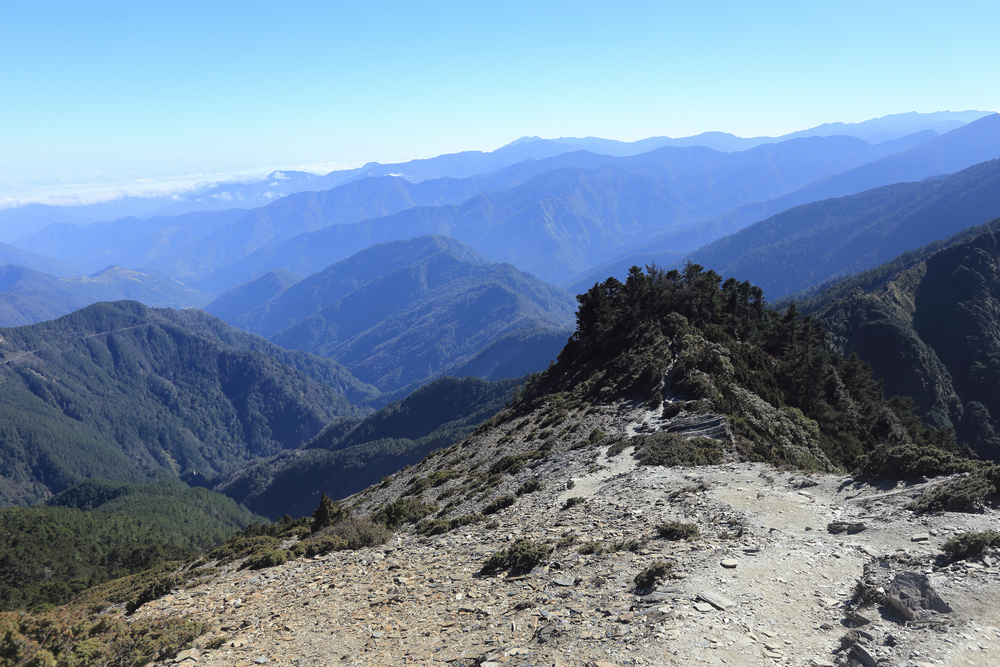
(530, 486)
(242, 546)
(967, 494)
(270, 558)
(675, 530)
(515, 463)
(321, 545)
(589, 548)
(671, 410)
(441, 526)
(360, 533)
(71, 636)
(970, 545)
(500, 503)
(669, 449)
(565, 541)
(617, 445)
(435, 527)
(520, 557)
(404, 511)
(573, 501)
(653, 575)
(158, 588)
(626, 545)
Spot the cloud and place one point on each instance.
(79, 188)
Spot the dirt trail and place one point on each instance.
(765, 583)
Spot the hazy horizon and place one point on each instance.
(100, 186)
(106, 94)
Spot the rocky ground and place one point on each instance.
(767, 582)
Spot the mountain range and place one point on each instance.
(615, 201)
(400, 312)
(972, 144)
(28, 296)
(16, 222)
(559, 222)
(815, 243)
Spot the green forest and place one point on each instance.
(121, 391)
(790, 400)
(103, 530)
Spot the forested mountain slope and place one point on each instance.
(100, 530)
(128, 393)
(351, 454)
(930, 330)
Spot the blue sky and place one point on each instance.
(137, 92)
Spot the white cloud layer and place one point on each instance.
(82, 188)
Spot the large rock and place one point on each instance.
(912, 595)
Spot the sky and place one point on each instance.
(160, 94)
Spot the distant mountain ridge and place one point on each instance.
(972, 144)
(25, 220)
(35, 261)
(191, 246)
(404, 311)
(28, 296)
(555, 223)
(811, 244)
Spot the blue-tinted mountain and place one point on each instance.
(403, 312)
(28, 296)
(128, 393)
(895, 126)
(191, 246)
(971, 144)
(811, 244)
(30, 218)
(963, 147)
(270, 313)
(25, 220)
(244, 298)
(35, 261)
(556, 223)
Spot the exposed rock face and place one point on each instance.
(791, 600)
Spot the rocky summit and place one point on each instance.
(603, 561)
